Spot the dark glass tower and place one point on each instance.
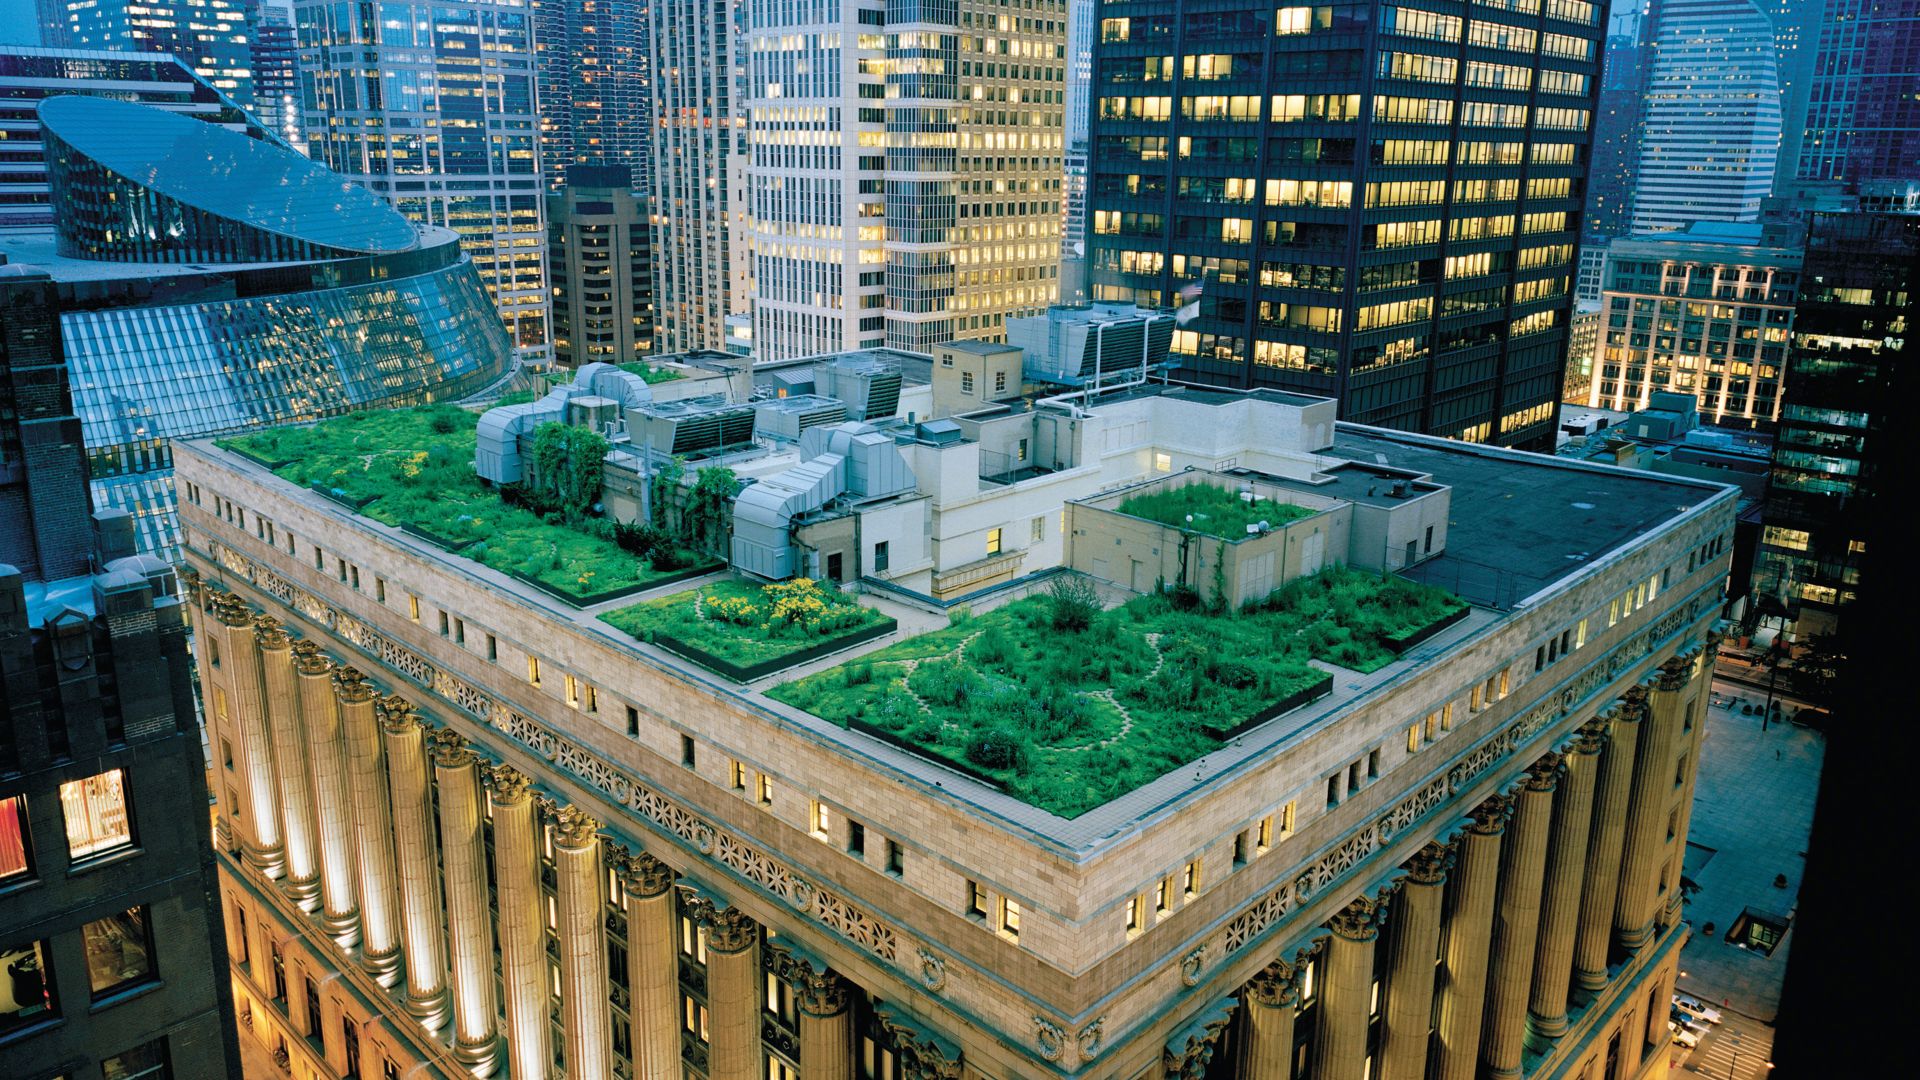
(1376, 202)
(1853, 323)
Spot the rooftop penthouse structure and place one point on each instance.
(1099, 828)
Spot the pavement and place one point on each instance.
(1752, 815)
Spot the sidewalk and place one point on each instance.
(1752, 814)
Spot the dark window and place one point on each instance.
(686, 751)
(834, 567)
(350, 1047)
(880, 556)
(633, 721)
(856, 838)
(148, 1062)
(896, 859)
(313, 1008)
(120, 952)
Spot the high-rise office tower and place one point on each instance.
(907, 171)
(1863, 117)
(699, 182)
(213, 37)
(111, 951)
(30, 75)
(600, 263)
(276, 74)
(1376, 202)
(1617, 123)
(1081, 20)
(1712, 128)
(1836, 429)
(433, 107)
(1796, 39)
(594, 74)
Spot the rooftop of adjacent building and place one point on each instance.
(1772, 242)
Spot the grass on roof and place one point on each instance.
(647, 372)
(414, 467)
(746, 624)
(1216, 511)
(1068, 719)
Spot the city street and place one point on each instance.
(1752, 814)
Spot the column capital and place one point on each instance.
(817, 989)
(644, 876)
(506, 785)
(1490, 817)
(1633, 702)
(450, 749)
(1274, 986)
(1675, 672)
(1430, 864)
(270, 633)
(350, 685)
(396, 714)
(730, 930)
(1544, 775)
(1589, 738)
(1359, 920)
(308, 659)
(574, 829)
(232, 611)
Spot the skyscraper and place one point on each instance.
(1863, 117)
(276, 74)
(594, 81)
(1853, 323)
(907, 171)
(1081, 22)
(213, 37)
(1380, 203)
(1617, 124)
(1712, 128)
(699, 194)
(432, 106)
(111, 948)
(600, 262)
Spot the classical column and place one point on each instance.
(1463, 972)
(1647, 811)
(733, 995)
(372, 826)
(523, 956)
(333, 809)
(653, 965)
(826, 1023)
(1516, 926)
(420, 909)
(584, 1013)
(261, 842)
(1601, 884)
(1270, 1004)
(1346, 990)
(1414, 948)
(283, 720)
(463, 856)
(1560, 905)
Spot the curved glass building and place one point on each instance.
(209, 283)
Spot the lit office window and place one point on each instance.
(97, 816)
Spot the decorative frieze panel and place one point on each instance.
(830, 909)
(1248, 925)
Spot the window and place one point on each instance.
(13, 839)
(976, 900)
(1263, 835)
(533, 671)
(1680, 772)
(573, 692)
(1239, 849)
(738, 774)
(1039, 532)
(380, 589)
(693, 1017)
(148, 1062)
(119, 951)
(822, 819)
(350, 1047)
(780, 1070)
(764, 789)
(966, 382)
(856, 838)
(1333, 790)
(633, 721)
(98, 820)
(1010, 919)
(446, 624)
(880, 556)
(459, 631)
(1413, 739)
(413, 607)
(993, 541)
(1162, 462)
(1134, 916)
(1190, 880)
(686, 751)
(493, 648)
(27, 997)
(1163, 897)
(896, 859)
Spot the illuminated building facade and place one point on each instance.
(213, 37)
(594, 85)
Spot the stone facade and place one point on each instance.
(762, 891)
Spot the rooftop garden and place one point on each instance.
(1215, 511)
(745, 631)
(413, 469)
(646, 371)
(1066, 706)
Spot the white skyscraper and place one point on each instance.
(1712, 129)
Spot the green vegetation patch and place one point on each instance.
(1216, 511)
(1068, 707)
(749, 626)
(652, 375)
(414, 469)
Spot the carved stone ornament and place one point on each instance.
(703, 838)
(1092, 1038)
(922, 1054)
(1191, 965)
(1490, 817)
(800, 892)
(508, 784)
(730, 930)
(270, 633)
(817, 989)
(1274, 986)
(1544, 775)
(449, 749)
(396, 714)
(1634, 699)
(1589, 738)
(1189, 1051)
(308, 659)
(1430, 864)
(644, 876)
(574, 829)
(232, 612)
(1049, 1039)
(350, 685)
(1359, 920)
(933, 971)
(1674, 673)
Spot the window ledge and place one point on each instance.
(124, 995)
(96, 862)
